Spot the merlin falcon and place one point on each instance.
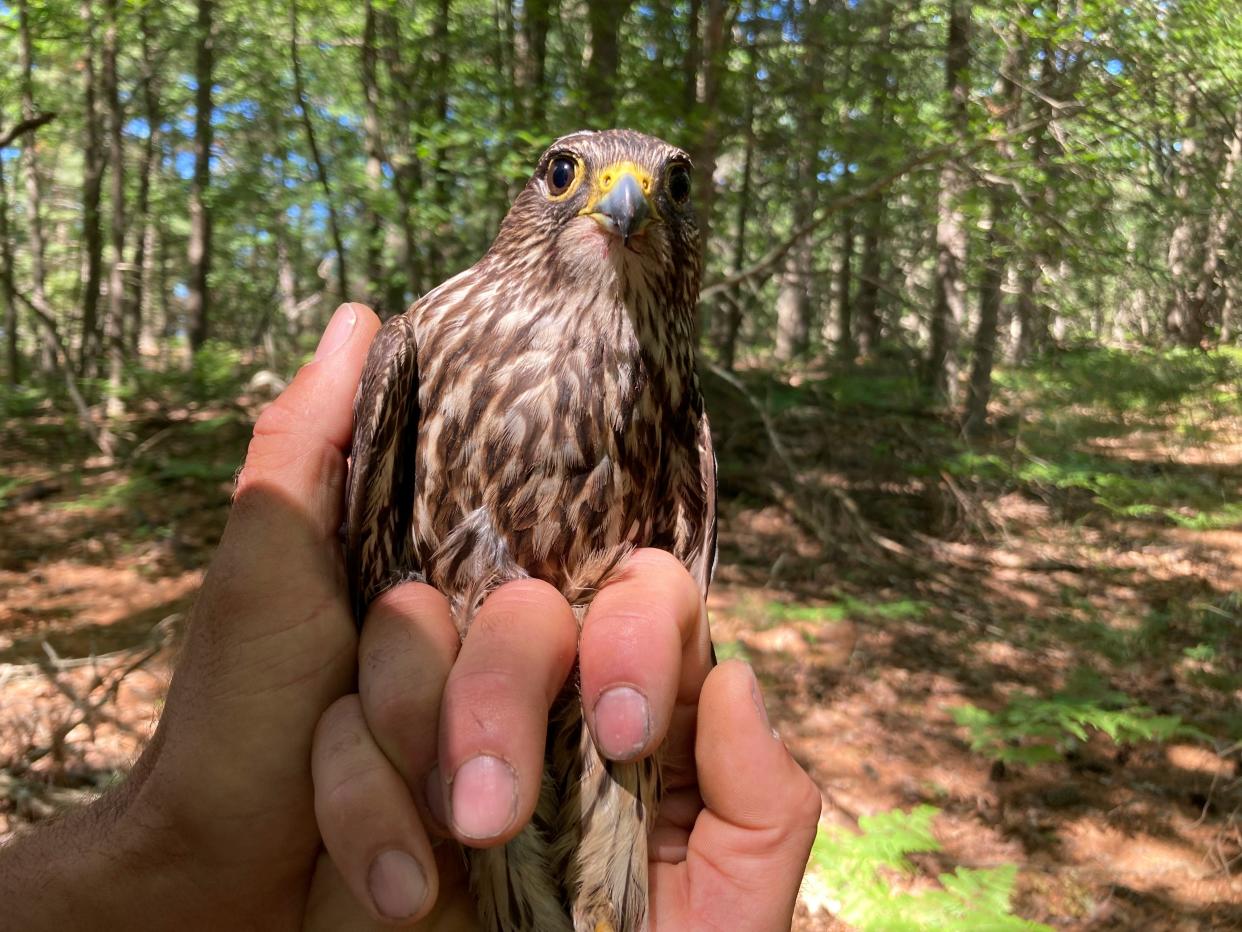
(539, 415)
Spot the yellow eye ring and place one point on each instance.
(562, 177)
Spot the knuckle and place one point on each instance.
(807, 804)
(394, 708)
(525, 598)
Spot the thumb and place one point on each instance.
(297, 452)
(271, 643)
(749, 847)
(275, 591)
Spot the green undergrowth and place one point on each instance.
(1033, 729)
(848, 607)
(858, 872)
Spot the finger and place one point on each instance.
(298, 449)
(332, 907)
(750, 845)
(644, 656)
(367, 819)
(494, 718)
(271, 643)
(407, 647)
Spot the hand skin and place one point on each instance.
(285, 736)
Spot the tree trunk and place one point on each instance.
(536, 24)
(138, 319)
(373, 288)
(794, 305)
(114, 336)
(30, 159)
(870, 270)
(604, 24)
(847, 347)
(733, 321)
(406, 166)
(979, 390)
(321, 171)
(12, 353)
(940, 375)
(998, 240)
(198, 301)
(1195, 248)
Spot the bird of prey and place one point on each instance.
(539, 415)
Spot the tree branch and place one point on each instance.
(25, 126)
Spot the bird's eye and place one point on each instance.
(679, 184)
(561, 175)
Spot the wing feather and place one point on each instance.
(380, 496)
(705, 566)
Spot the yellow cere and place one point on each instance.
(606, 180)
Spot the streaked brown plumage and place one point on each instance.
(539, 415)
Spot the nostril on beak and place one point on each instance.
(626, 206)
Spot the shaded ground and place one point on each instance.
(935, 622)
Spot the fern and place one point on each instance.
(1032, 729)
(854, 870)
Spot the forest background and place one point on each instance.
(969, 338)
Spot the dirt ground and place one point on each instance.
(868, 618)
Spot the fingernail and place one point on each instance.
(398, 885)
(622, 722)
(484, 797)
(757, 698)
(434, 794)
(337, 332)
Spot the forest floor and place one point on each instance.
(1018, 661)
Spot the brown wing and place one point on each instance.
(380, 497)
(705, 566)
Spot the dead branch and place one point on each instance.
(100, 436)
(802, 502)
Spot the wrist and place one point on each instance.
(74, 872)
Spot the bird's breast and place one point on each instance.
(546, 461)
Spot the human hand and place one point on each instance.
(215, 827)
(738, 815)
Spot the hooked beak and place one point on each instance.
(623, 210)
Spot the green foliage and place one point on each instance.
(1031, 729)
(1070, 401)
(856, 869)
(849, 607)
(118, 494)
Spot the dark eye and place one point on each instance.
(561, 175)
(679, 184)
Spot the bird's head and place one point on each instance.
(613, 203)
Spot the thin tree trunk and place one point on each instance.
(439, 159)
(940, 375)
(869, 275)
(793, 304)
(979, 390)
(321, 171)
(114, 327)
(998, 239)
(30, 159)
(874, 212)
(138, 316)
(847, 346)
(198, 302)
(733, 322)
(12, 354)
(373, 143)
